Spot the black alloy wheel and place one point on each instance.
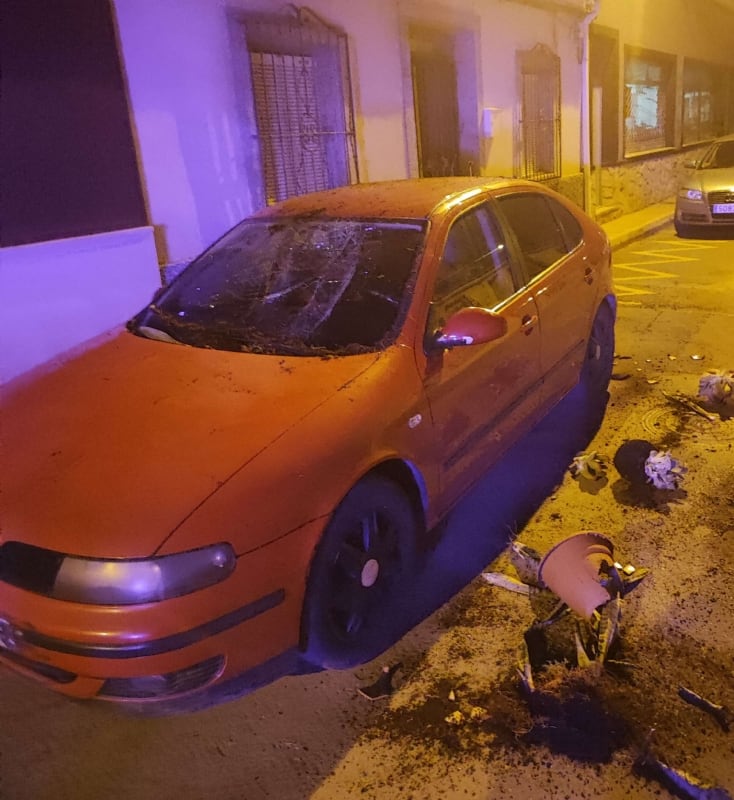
(362, 568)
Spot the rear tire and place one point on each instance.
(597, 370)
(359, 576)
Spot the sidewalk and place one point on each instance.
(629, 227)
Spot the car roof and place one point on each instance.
(410, 198)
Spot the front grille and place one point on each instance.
(172, 683)
(725, 196)
(715, 198)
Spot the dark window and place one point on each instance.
(543, 237)
(69, 166)
(475, 268)
(540, 122)
(704, 101)
(604, 69)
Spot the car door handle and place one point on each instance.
(589, 275)
(528, 322)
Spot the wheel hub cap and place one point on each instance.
(370, 571)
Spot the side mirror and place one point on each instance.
(690, 164)
(472, 325)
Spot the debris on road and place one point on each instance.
(591, 466)
(680, 783)
(689, 404)
(640, 463)
(507, 582)
(382, 687)
(716, 386)
(664, 471)
(580, 571)
(526, 562)
(721, 714)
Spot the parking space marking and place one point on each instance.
(621, 282)
(643, 273)
(670, 251)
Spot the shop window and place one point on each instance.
(648, 101)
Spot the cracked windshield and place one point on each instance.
(294, 287)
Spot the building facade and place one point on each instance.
(662, 86)
(143, 131)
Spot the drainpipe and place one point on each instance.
(592, 9)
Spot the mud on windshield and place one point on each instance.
(292, 286)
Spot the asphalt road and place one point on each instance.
(314, 736)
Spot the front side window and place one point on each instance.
(648, 101)
(292, 286)
(475, 266)
(543, 231)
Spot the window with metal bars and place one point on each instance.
(539, 154)
(301, 88)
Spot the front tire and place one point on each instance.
(358, 576)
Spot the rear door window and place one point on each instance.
(545, 231)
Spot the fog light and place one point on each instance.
(167, 685)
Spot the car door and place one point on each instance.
(550, 240)
(482, 396)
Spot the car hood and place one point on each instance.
(108, 452)
(712, 180)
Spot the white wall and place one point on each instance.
(186, 68)
(188, 87)
(60, 293)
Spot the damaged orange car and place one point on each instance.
(250, 467)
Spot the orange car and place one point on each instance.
(252, 465)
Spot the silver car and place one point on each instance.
(705, 199)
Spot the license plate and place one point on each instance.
(723, 208)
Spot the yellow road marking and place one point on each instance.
(628, 291)
(643, 274)
(626, 272)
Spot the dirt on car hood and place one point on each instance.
(105, 454)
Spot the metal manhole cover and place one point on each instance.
(663, 420)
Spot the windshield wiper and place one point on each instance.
(155, 333)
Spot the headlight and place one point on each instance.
(690, 194)
(149, 580)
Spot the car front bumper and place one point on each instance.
(162, 651)
(716, 209)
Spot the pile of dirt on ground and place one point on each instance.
(465, 697)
